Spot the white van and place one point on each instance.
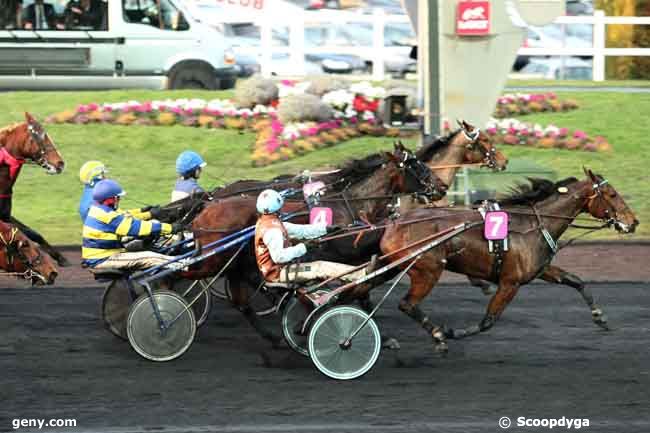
(126, 44)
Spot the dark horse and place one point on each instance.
(544, 206)
(23, 143)
(372, 183)
(21, 257)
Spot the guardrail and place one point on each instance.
(599, 51)
(378, 19)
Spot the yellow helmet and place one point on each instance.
(91, 171)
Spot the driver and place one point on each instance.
(275, 254)
(106, 225)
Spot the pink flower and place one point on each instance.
(176, 110)
(563, 132)
(445, 125)
(272, 145)
(551, 95)
(288, 83)
(108, 108)
(539, 134)
(311, 131)
(92, 106)
(492, 130)
(512, 130)
(353, 120)
(581, 135)
(524, 132)
(82, 109)
(277, 127)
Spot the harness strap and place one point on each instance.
(547, 236)
(14, 164)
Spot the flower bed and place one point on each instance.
(353, 113)
(522, 103)
(294, 122)
(513, 132)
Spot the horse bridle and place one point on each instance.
(598, 193)
(489, 156)
(14, 250)
(420, 171)
(43, 147)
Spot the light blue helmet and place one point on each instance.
(189, 161)
(269, 201)
(106, 189)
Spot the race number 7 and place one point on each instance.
(496, 225)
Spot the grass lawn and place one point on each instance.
(577, 83)
(142, 158)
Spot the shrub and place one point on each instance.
(255, 91)
(302, 107)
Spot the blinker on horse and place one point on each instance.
(23, 258)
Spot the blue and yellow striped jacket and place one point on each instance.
(104, 228)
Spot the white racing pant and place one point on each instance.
(138, 260)
(318, 270)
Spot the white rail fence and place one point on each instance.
(377, 52)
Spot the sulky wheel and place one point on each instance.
(190, 290)
(293, 317)
(143, 327)
(116, 302)
(326, 343)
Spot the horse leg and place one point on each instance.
(422, 281)
(498, 303)
(36, 237)
(239, 297)
(485, 286)
(554, 274)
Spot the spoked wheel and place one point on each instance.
(145, 334)
(293, 317)
(327, 343)
(189, 290)
(116, 302)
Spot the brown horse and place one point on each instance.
(546, 207)
(23, 143)
(373, 183)
(23, 258)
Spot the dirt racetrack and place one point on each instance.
(544, 359)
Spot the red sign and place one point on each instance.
(473, 18)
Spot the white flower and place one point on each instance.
(338, 98)
(368, 115)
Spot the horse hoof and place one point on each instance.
(390, 344)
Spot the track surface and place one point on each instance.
(543, 359)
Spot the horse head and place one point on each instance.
(21, 256)
(479, 148)
(39, 147)
(416, 176)
(605, 203)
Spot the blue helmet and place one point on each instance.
(269, 201)
(106, 189)
(189, 161)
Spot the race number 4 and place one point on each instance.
(321, 216)
(496, 226)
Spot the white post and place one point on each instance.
(599, 46)
(379, 23)
(266, 42)
(297, 44)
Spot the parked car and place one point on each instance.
(139, 44)
(556, 68)
(579, 7)
(556, 36)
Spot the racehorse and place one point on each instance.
(543, 211)
(21, 257)
(373, 183)
(21, 143)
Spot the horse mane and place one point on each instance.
(534, 191)
(356, 169)
(434, 145)
(8, 130)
